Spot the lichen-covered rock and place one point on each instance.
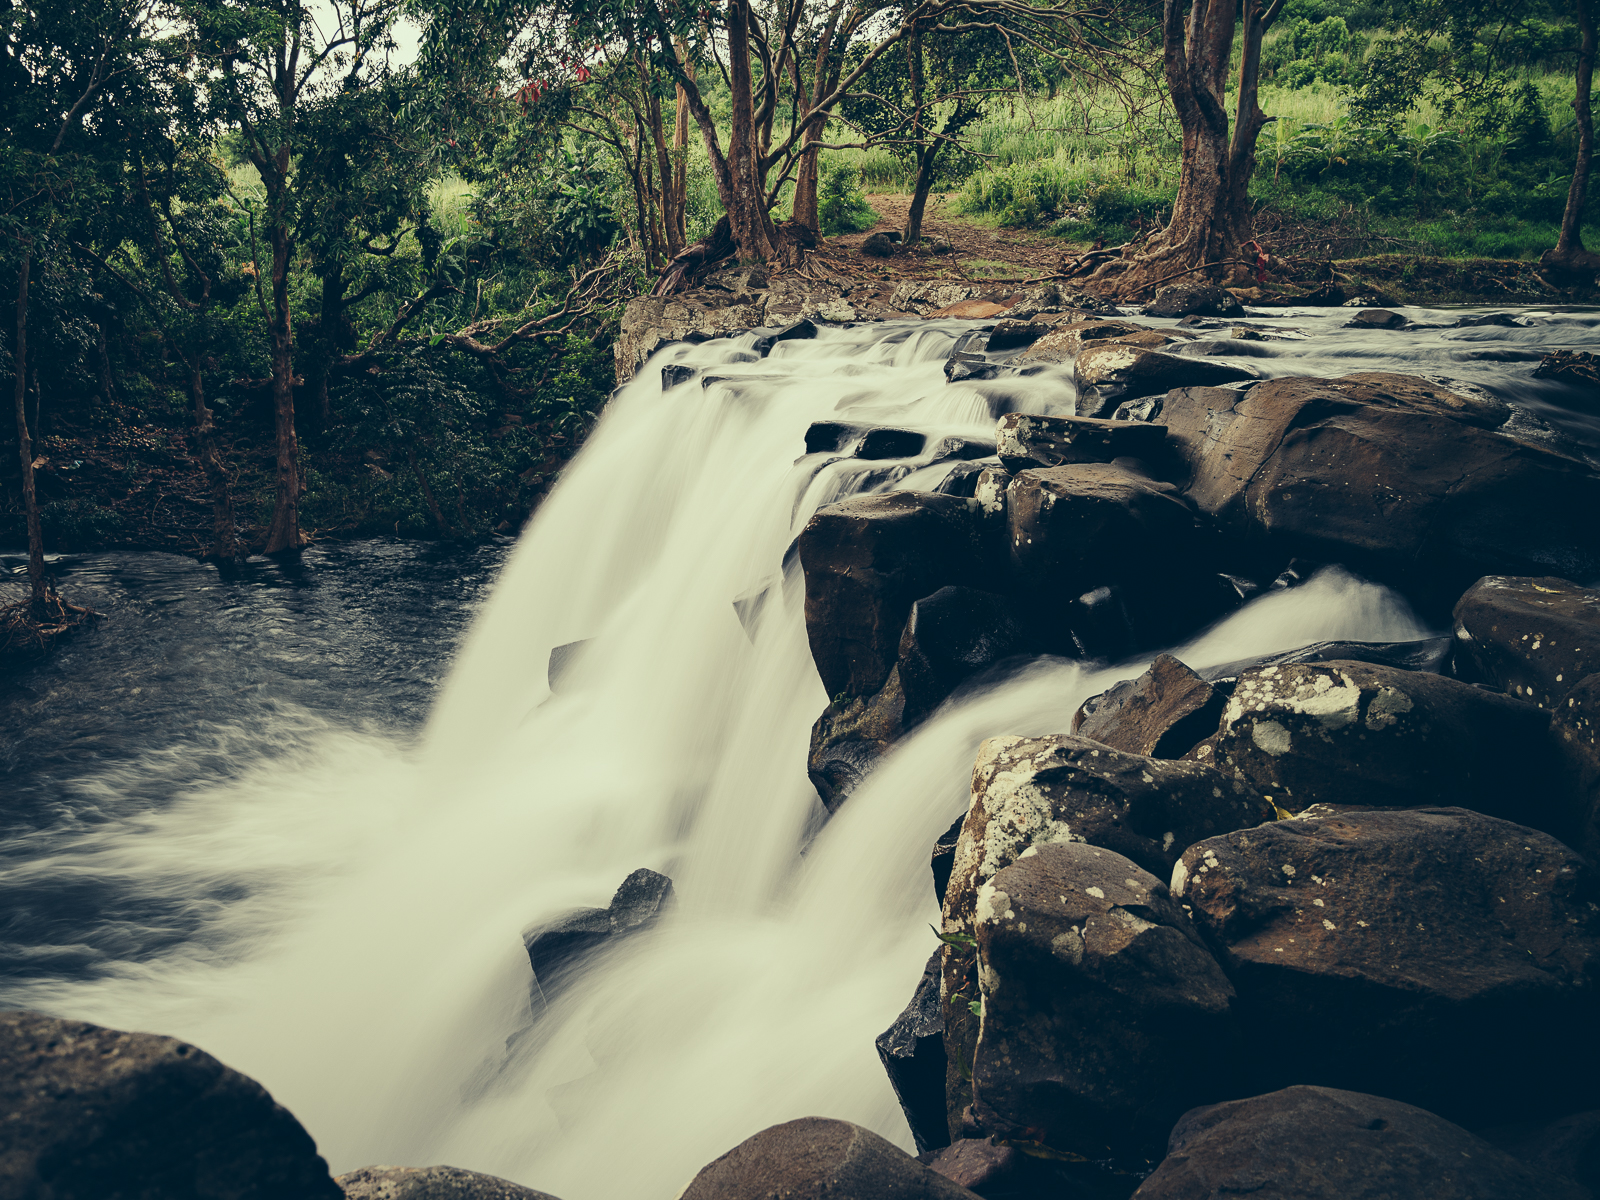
(1067, 340)
(1078, 527)
(1164, 713)
(1432, 655)
(1199, 299)
(866, 560)
(1533, 638)
(1346, 732)
(1401, 940)
(1390, 473)
(98, 1114)
(850, 738)
(1104, 1016)
(432, 1183)
(1025, 440)
(924, 297)
(912, 1053)
(815, 1158)
(1107, 375)
(650, 322)
(1317, 1143)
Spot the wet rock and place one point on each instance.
(555, 949)
(431, 1183)
(983, 1166)
(94, 1114)
(886, 442)
(1164, 713)
(1503, 319)
(959, 368)
(1025, 440)
(1066, 342)
(815, 1158)
(1573, 728)
(1102, 625)
(801, 330)
(1377, 318)
(675, 373)
(877, 245)
(943, 858)
(1534, 638)
(832, 437)
(1439, 499)
(1087, 301)
(970, 310)
(1344, 732)
(1147, 408)
(1318, 1143)
(650, 322)
(962, 480)
(1397, 938)
(866, 561)
(990, 493)
(1108, 375)
(1104, 1016)
(949, 637)
(912, 1052)
(1199, 299)
(1567, 1147)
(1088, 525)
(851, 736)
(1432, 655)
(1011, 333)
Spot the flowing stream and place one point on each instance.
(227, 822)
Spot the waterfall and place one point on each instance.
(372, 974)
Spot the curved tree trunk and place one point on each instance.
(1570, 260)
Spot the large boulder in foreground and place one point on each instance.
(1402, 944)
(866, 560)
(432, 1183)
(97, 1114)
(1390, 474)
(1317, 1143)
(1346, 732)
(815, 1158)
(1534, 638)
(1104, 1016)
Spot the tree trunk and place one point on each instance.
(224, 536)
(30, 499)
(807, 181)
(677, 196)
(1570, 258)
(746, 201)
(1211, 214)
(927, 159)
(285, 531)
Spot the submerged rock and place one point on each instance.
(556, 948)
(1318, 1143)
(95, 1114)
(431, 1183)
(1400, 940)
(815, 1158)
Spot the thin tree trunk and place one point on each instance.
(284, 533)
(224, 538)
(30, 499)
(1570, 252)
(807, 181)
(927, 158)
(678, 218)
(103, 364)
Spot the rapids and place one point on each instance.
(281, 866)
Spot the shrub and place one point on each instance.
(841, 208)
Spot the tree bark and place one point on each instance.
(30, 498)
(224, 535)
(284, 533)
(746, 201)
(1570, 257)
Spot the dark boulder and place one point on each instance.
(432, 1183)
(962, 480)
(99, 1114)
(1198, 299)
(1389, 473)
(1025, 440)
(1533, 638)
(1317, 1143)
(1432, 655)
(886, 442)
(1573, 729)
(1107, 375)
(815, 1158)
(912, 1052)
(556, 948)
(1164, 713)
(1104, 1016)
(1398, 939)
(1377, 318)
(949, 637)
(851, 736)
(960, 368)
(801, 330)
(1567, 1147)
(1344, 732)
(1011, 333)
(867, 560)
(984, 1166)
(877, 245)
(675, 373)
(831, 437)
(943, 858)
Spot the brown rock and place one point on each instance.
(1164, 713)
(980, 1165)
(969, 310)
(1107, 375)
(1025, 440)
(1401, 939)
(1533, 638)
(431, 1183)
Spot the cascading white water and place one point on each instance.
(374, 975)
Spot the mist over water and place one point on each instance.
(334, 905)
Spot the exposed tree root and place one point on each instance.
(30, 628)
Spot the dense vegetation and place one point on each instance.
(271, 278)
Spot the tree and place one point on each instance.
(1570, 259)
(1211, 215)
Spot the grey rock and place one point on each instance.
(877, 245)
(1398, 937)
(1377, 318)
(1317, 1143)
(99, 1114)
(557, 947)
(431, 1183)
(815, 1158)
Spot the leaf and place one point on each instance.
(961, 941)
(436, 339)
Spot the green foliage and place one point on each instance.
(841, 208)
(79, 522)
